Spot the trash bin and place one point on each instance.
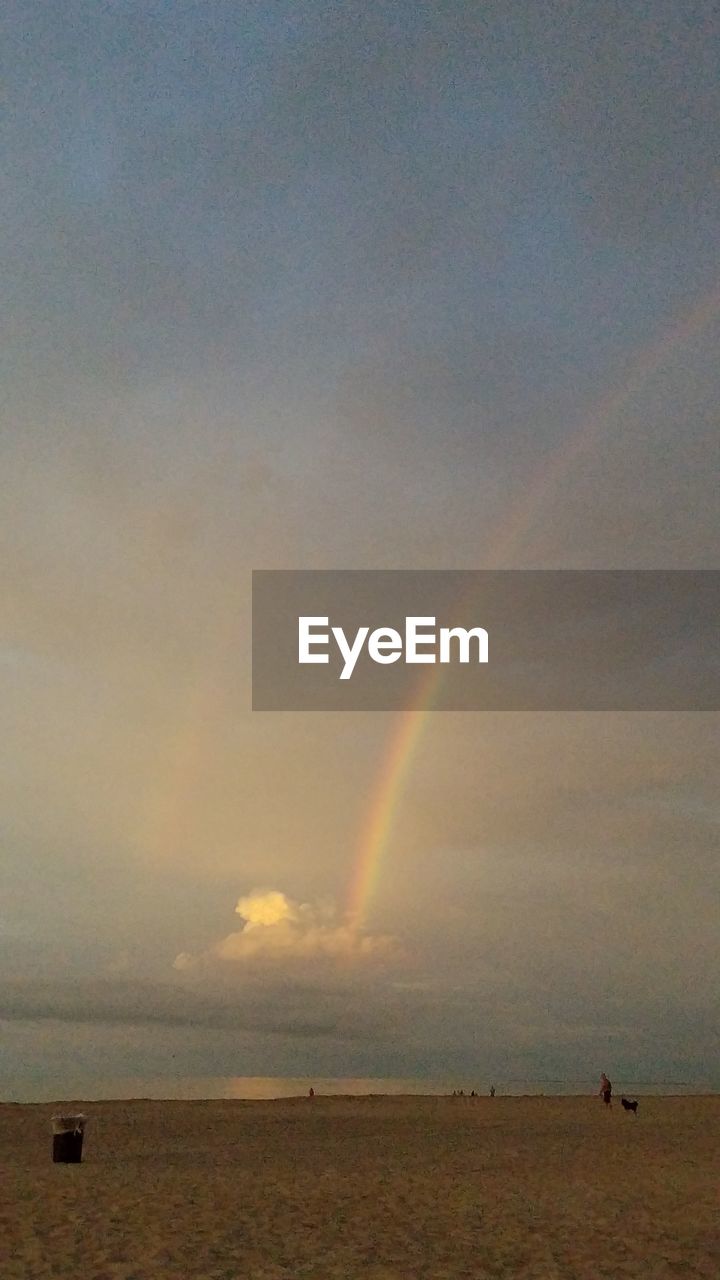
(68, 1139)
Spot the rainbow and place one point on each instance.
(396, 765)
(407, 731)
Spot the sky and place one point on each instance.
(313, 285)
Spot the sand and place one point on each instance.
(374, 1187)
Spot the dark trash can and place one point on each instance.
(68, 1134)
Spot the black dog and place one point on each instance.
(629, 1106)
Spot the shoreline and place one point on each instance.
(360, 1098)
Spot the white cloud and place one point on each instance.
(276, 928)
(266, 907)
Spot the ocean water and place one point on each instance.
(90, 1089)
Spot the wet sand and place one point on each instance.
(383, 1188)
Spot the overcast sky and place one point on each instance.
(312, 285)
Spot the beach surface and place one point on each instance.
(380, 1188)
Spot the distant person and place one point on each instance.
(492, 1090)
(311, 1092)
(606, 1090)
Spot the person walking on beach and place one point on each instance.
(606, 1090)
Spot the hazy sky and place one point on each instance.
(320, 285)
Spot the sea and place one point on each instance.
(188, 1088)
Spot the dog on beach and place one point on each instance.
(627, 1105)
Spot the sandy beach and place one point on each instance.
(382, 1188)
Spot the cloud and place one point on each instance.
(266, 908)
(277, 928)
(112, 1002)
